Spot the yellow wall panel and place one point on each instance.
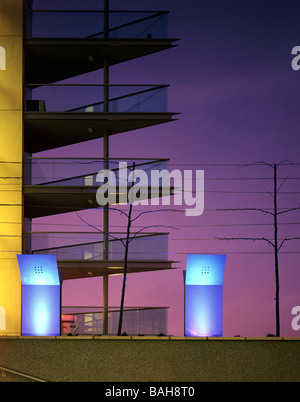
(11, 78)
(11, 155)
(11, 14)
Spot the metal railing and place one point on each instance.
(83, 171)
(88, 246)
(91, 98)
(96, 24)
(20, 374)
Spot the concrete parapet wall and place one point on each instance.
(150, 359)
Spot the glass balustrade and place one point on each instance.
(89, 245)
(79, 98)
(136, 320)
(96, 24)
(83, 171)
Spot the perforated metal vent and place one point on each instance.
(205, 270)
(38, 270)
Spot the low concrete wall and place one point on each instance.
(150, 359)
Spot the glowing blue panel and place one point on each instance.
(203, 310)
(204, 295)
(38, 269)
(205, 269)
(40, 295)
(40, 310)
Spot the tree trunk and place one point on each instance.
(125, 265)
(276, 254)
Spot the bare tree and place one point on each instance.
(275, 243)
(128, 239)
(126, 242)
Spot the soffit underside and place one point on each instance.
(45, 200)
(49, 60)
(76, 269)
(47, 130)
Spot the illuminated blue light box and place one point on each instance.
(204, 295)
(41, 293)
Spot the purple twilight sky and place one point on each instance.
(232, 82)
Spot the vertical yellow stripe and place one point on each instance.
(11, 154)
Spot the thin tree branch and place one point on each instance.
(281, 184)
(287, 239)
(269, 192)
(159, 210)
(99, 230)
(260, 163)
(288, 210)
(246, 209)
(151, 226)
(130, 238)
(118, 210)
(247, 238)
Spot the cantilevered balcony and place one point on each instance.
(59, 185)
(59, 115)
(80, 254)
(78, 41)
